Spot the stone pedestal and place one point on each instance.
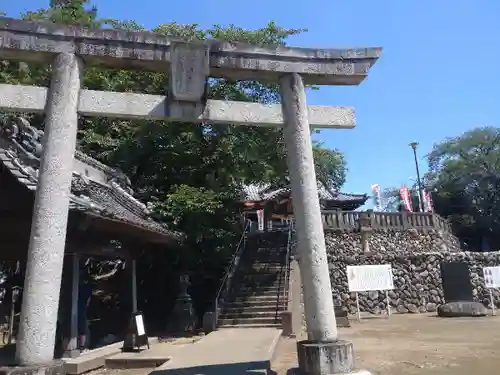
(462, 309)
(326, 358)
(209, 322)
(53, 368)
(286, 324)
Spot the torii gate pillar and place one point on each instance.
(322, 353)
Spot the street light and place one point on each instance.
(414, 145)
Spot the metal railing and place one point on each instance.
(225, 284)
(285, 282)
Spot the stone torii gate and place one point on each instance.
(69, 48)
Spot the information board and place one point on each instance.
(370, 277)
(492, 277)
(136, 336)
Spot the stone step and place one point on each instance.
(257, 303)
(258, 291)
(265, 252)
(255, 286)
(256, 275)
(273, 325)
(259, 279)
(255, 299)
(251, 314)
(262, 267)
(253, 269)
(265, 320)
(263, 262)
(249, 307)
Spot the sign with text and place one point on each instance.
(260, 220)
(370, 277)
(492, 277)
(136, 336)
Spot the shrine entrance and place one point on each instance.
(190, 65)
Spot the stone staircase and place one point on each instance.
(257, 294)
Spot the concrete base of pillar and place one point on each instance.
(54, 368)
(73, 353)
(335, 357)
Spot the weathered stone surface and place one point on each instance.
(319, 358)
(16, 98)
(54, 368)
(40, 41)
(415, 258)
(461, 309)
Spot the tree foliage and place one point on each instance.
(464, 173)
(392, 202)
(190, 174)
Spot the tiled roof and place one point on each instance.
(109, 197)
(264, 192)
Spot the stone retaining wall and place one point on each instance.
(415, 259)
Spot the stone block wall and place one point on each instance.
(415, 258)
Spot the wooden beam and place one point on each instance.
(142, 106)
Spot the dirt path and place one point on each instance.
(416, 345)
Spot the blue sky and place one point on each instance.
(438, 75)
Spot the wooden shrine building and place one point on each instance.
(275, 203)
(105, 220)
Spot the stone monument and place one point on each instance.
(366, 231)
(190, 65)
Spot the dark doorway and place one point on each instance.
(456, 281)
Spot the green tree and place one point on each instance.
(392, 202)
(465, 177)
(330, 166)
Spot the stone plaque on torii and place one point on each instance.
(190, 64)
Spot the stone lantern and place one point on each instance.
(183, 319)
(366, 230)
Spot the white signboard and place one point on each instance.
(370, 277)
(139, 322)
(260, 220)
(492, 277)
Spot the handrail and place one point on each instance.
(285, 281)
(287, 265)
(225, 282)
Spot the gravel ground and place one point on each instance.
(415, 345)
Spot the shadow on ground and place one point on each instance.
(244, 368)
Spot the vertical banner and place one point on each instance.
(428, 200)
(406, 198)
(377, 199)
(260, 220)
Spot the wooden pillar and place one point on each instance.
(71, 342)
(75, 286)
(133, 273)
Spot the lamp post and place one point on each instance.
(414, 145)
